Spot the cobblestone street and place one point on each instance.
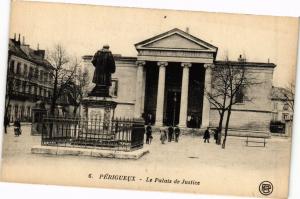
(190, 159)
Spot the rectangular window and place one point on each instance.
(275, 105)
(25, 70)
(41, 75)
(285, 116)
(23, 87)
(240, 96)
(12, 66)
(16, 111)
(18, 68)
(30, 75)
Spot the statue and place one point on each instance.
(104, 66)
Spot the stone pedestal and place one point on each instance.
(98, 108)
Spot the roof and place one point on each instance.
(279, 93)
(117, 57)
(249, 64)
(27, 53)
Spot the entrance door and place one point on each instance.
(173, 107)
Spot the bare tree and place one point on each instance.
(62, 74)
(77, 89)
(229, 82)
(289, 95)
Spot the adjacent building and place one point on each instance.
(165, 84)
(282, 110)
(29, 79)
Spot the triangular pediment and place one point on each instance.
(175, 39)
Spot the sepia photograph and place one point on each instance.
(149, 99)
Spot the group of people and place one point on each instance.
(172, 134)
(17, 126)
(206, 135)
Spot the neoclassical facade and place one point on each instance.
(165, 84)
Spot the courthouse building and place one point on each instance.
(165, 84)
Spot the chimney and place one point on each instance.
(38, 46)
(241, 59)
(23, 42)
(187, 30)
(19, 40)
(15, 37)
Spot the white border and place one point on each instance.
(266, 7)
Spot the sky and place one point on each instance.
(83, 29)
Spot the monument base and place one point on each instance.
(99, 91)
(98, 153)
(99, 107)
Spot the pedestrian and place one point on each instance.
(163, 136)
(170, 133)
(216, 135)
(206, 135)
(6, 123)
(148, 134)
(177, 133)
(17, 127)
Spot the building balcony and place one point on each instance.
(23, 96)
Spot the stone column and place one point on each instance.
(143, 90)
(160, 93)
(184, 94)
(206, 104)
(139, 89)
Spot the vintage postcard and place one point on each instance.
(149, 99)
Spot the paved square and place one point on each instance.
(237, 168)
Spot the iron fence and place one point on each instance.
(117, 134)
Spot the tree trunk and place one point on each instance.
(54, 95)
(220, 127)
(226, 127)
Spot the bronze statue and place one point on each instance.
(104, 66)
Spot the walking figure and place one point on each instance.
(206, 135)
(177, 133)
(17, 127)
(148, 134)
(6, 123)
(163, 136)
(216, 135)
(170, 133)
